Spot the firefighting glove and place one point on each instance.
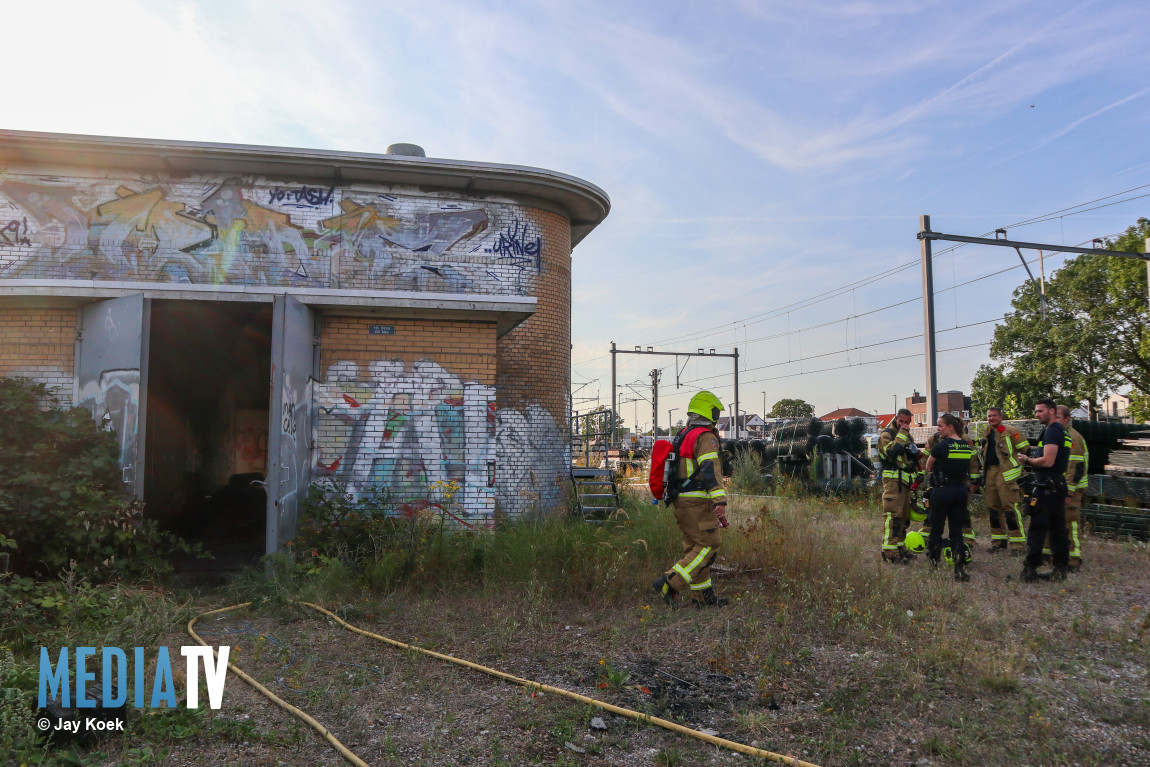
(721, 514)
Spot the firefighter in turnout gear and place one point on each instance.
(949, 466)
(898, 455)
(1076, 483)
(700, 506)
(1000, 491)
(967, 526)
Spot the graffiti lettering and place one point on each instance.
(313, 196)
(16, 232)
(412, 431)
(513, 243)
(288, 412)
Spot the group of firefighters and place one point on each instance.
(945, 475)
(1050, 493)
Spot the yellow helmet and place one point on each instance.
(707, 405)
(915, 543)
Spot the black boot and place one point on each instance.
(1029, 575)
(708, 598)
(1061, 572)
(961, 575)
(662, 586)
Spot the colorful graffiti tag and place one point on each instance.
(241, 231)
(412, 432)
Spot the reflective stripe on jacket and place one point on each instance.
(1076, 477)
(710, 468)
(1007, 443)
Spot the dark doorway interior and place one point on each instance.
(207, 426)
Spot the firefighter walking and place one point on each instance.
(700, 505)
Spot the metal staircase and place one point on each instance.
(596, 494)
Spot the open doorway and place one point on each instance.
(207, 426)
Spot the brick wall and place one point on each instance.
(533, 385)
(412, 411)
(39, 344)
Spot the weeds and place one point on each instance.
(747, 474)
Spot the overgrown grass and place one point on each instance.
(559, 555)
(819, 632)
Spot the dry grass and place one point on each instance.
(824, 653)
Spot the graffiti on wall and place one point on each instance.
(534, 460)
(412, 431)
(114, 401)
(247, 231)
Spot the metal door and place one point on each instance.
(289, 433)
(111, 375)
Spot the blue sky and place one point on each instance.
(758, 154)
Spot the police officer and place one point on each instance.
(898, 455)
(949, 467)
(1048, 510)
(700, 506)
(1000, 473)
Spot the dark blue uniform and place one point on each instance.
(1048, 512)
(949, 477)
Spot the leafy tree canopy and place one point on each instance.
(1094, 337)
(791, 408)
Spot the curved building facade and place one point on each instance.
(245, 315)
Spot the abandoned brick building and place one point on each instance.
(243, 315)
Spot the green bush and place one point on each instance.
(62, 502)
(18, 737)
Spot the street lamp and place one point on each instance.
(895, 402)
(764, 405)
(669, 421)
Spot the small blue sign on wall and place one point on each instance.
(381, 330)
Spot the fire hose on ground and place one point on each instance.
(535, 686)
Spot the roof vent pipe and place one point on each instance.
(407, 150)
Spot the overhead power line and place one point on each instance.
(863, 282)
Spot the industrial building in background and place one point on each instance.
(250, 317)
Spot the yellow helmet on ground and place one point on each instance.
(707, 405)
(915, 543)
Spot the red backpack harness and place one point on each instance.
(663, 480)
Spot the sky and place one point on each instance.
(767, 162)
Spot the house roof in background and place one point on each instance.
(846, 412)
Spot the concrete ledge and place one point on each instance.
(505, 311)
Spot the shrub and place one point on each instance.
(17, 734)
(62, 502)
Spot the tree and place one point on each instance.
(1127, 295)
(791, 408)
(1093, 338)
(1012, 391)
(598, 421)
(1139, 408)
